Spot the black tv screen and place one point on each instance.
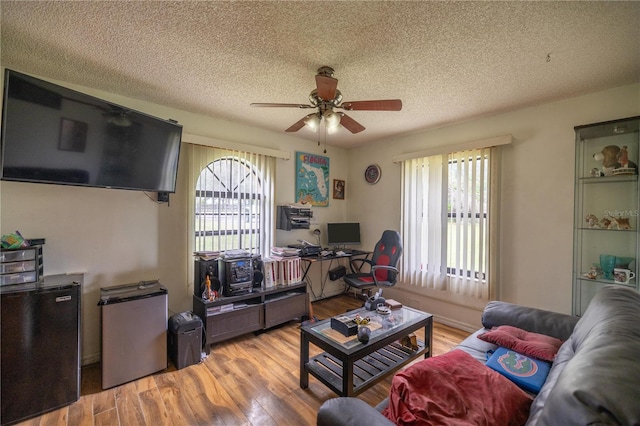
(339, 234)
(52, 134)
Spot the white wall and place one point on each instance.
(118, 237)
(536, 241)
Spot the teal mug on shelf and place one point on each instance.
(608, 264)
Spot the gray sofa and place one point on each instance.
(595, 378)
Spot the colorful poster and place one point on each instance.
(312, 179)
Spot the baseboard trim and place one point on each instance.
(455, 324)
(90, 359)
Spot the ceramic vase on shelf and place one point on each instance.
(607, 263)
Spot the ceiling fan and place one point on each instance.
(325, 98)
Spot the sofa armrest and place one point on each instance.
(349, 412)
(535, 320)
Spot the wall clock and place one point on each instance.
(372, 174)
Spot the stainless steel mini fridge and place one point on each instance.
(134, 331)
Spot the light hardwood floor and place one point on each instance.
(250, 380)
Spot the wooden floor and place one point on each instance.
(250, 380)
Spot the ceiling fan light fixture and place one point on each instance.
(333, 119)
(312, 121)
(332, 130)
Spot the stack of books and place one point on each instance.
(281, 252)
(206, 255)
(236, 254)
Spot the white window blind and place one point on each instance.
(233, 199)
(447, 215)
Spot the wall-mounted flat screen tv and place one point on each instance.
(52, 134)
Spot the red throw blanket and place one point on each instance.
(455, 389)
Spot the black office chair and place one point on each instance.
(382, 267)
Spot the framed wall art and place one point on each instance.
(338, 189)
(312, 179)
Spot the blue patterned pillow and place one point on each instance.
(528, 373)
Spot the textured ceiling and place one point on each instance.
(447, 61)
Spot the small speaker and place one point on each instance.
(202, 268)
(258, 276)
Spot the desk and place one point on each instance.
(310, 260)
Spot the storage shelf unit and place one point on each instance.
(21, 266)
(604, 194)
(233, 316)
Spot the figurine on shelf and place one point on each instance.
(605, 222)
(615, 161)
(208, 293)
(624, 166)
(620, 223)
(592, 274)
(623, 157)
(609, 158)
(592, 221)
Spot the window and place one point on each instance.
(446, 222)
(228, 195)
(232, 200)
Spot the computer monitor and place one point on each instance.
(341, 234)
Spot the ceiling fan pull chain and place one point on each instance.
(325, 136)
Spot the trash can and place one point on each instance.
(185, 339)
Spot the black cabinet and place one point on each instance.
(229, 317)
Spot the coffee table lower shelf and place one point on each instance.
(367, 371)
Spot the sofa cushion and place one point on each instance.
(564, 355)
(475, 347)
(530, 344)
(553, 324)
(349, 411)
(594, 379)
(455, 389)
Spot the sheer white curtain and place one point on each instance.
(446, 223)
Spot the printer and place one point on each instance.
(290, 217)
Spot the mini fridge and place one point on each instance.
(40, 346)
(134, 331)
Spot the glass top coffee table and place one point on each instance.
(349, 367)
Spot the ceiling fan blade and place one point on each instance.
(350, 124)
(281, 105)
(326, 87)
(297, 125)
(379, 105)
